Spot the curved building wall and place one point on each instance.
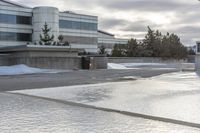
(50, 15)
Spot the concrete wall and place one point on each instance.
(5, 60)
(51, 62)
(41, 57)
(43, 62)
(98, 62)
(191, 58)
(197, 62)
(48, 57)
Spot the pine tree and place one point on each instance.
(119, 50)
(46, 39)
(102, 50)
(132, 48)
(60, 38)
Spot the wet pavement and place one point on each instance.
(23, 114)
(175, 96)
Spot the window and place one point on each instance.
(80, 40)
(10, 36)
(198, 48)
(13, 19)
(77, 25)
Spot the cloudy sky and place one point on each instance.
(130, 18)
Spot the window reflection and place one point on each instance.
(81, 40)
(10, 36)
(198, 48)
(77, 25)
(13, 19)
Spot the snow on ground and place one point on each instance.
(128, 65)
(116, 66)
(23, 69)
(142, 64)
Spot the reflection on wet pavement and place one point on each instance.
(174, 96)
(22, 114)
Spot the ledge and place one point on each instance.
(39, 48)
(40, 51)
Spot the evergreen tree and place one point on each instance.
(119, 50)
(60, 38)
(132, 48)
(172, 47)
(66, 43)
(149, 41)
(46, 39)
(154, 45)
(102, 50)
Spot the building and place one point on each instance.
(108, 40)
(197, 58)
(21, 25)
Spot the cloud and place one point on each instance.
(129, 18)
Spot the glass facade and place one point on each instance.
(106, 45)
(10, 36)
(77, 25)
(80, 40)
(13, 19)
(198, 48)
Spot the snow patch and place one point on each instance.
(116, 66)
(23, 69)
(141, 64)
(134, 65)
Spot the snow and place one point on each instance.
(116, 66)
(23, 69)
(142, 64)
(127, 65)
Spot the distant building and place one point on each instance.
(197, 58)
(21, 25)
(198, 47)
(108, 40)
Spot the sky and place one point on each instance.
(130, 18)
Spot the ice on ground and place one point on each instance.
(23, 69)
(21, 114)
(174, 96)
